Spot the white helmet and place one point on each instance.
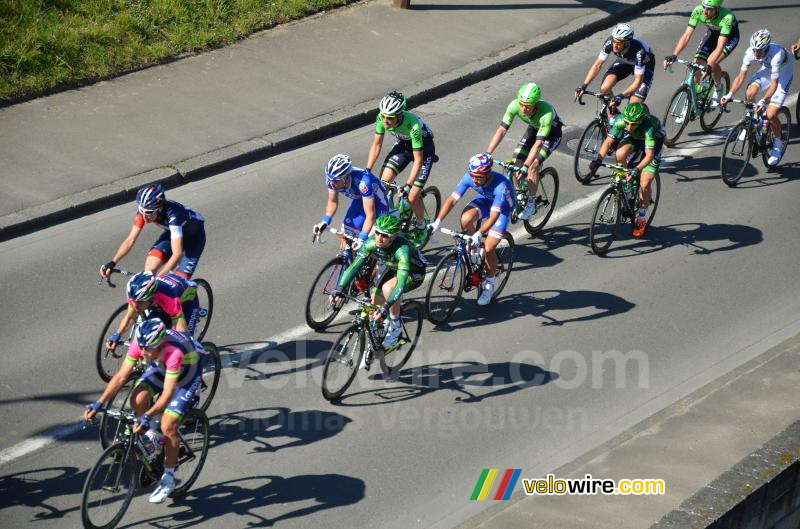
(338, 168)
(622, 32)
(760, 39)
(392, 104)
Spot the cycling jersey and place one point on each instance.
(411, 128)
(498, 190)
(364, 185)
(400, 257)
(775, 59)
(177, 351)
(175, 218)
(650, 132)
(637, 54)
(176, 296)
(543, 118)
(724, 23)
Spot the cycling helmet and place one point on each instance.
(760, 40)
(150, 334)
(150, 197)
(622, 32)
(712, 3)
(387, 224)
(392, 104)
(634, 113)
(338, 168)
(480, 164)
(141, 287)
(529, 94)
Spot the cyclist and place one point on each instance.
(634, 56)
(720, 40)
(487, 215)
(640, 130)
(414, 143)
(169, 297)
(365, 191)
(774, 77)
(401, 269)
(541, 138)
(174, 372)
(178, 249)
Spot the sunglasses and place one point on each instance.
(525, 106)
(389, 117)
(382, 235)
(149, 212)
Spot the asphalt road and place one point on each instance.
(519, 384)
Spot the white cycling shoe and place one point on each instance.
(164, 489)
(393, 334)
(486, 296)
(529, 210)
(777, 152)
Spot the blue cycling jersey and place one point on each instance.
(176, 218)
(364, 184)
(498, 189)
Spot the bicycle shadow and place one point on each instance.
(529, 254)
(680, 165)
(263, 500)
(462, 377)
(781, 174)
(35, 488)
(271, 429)
(256, 360)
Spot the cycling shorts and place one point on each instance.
(484, 207)
(622, 70)
(183, 397)
(383, 274)
(550, 144)
(763, 80)
(652, 167)
(402, 154)
(192, 250)
(709, 43)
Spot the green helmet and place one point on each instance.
(388, 224)
(634, 113)
(529, 94)
(712, 3)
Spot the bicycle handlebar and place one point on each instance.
(342, 234)
(508, 165)
(688, 64)
(114, 271)
(598, 95)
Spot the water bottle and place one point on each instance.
(475, 256)
(762, 128)
(152, 442)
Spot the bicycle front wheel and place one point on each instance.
(677, 115)
(445, 289)
(395, 357)
(109, 488)
(735, 154)
(586, 150)
(320, 310)
(711, 116)
(655, 195)
(546, 196)
(505, 252)
(111, 427)
(605, 223)
(212, 367)
(193, 434)
(109, 360)
(205, 308)
(343, 362)
(785, 118)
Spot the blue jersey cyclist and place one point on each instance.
(178, 249)
(365, 191)
(487, 215)
(175, 370)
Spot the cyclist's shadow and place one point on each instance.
(781, 174)
(660, 237)
(258, 358)
(258, 497)
(33, 488)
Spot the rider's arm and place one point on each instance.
(594, 69)
(377, 144)
(499, 134)
(368, 204)
(494, 214)
(416, 168)
(331, 205)
(130, 240)
(508, 119)
(454, 197)
(350, 273)
(684, 40)
(127, 320)
(403, 257)
(739, 79)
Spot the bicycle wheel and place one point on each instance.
(655, 194)
(505, 251)
(445, 289)
(320, 312)
(107, 360)
(193, 433)
(109, 488)
(546, 196)
(432, 201)
(205, 308)
(735, 154)
(605, 223)
(586, 150)
(711, 116)
(109, 426)
(395, 357)
(785, 118)
(343, 361)
(677, 115)
(212, 366)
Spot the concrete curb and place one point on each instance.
(302, 134)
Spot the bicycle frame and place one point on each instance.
(475, 272)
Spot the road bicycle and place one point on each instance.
(321, 307)
(431, 201)
(751, 136)
(212, 367)
(364, 339)
(109, 359)
(125, 467)
(547, 194)
(461, 270)
(620, 202)
(691, 101)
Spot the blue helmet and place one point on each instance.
(141, 287)
(150, 198)
(338, 168)
(480, 164)
(150, 334)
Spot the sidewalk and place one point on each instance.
(86, 149)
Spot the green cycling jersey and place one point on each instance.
(651, 132)
(399, 256)
(543, 118)
(411, 128)
(724, 22)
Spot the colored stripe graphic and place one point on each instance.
(512, 483)
(487, 484)
(479, 484)
(503, 484)
(488, 487)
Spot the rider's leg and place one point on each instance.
(415, 200)
(622, 153)
(470, 218)
(533, 176)
(646, 191)
(491, 256)
(386, 289)
(141, 398)
(608, 83)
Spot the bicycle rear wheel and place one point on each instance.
(605, 223)
(212, 366)
(677, 115)
(320, 311)
(445, 289)
(505, 251)
(109, 488)
(546, 196)
(432, 201)
(107, 360)
(710, 117)
(586, 150)
(193, 433)
(785, 118)
(205, 308)
(395, 357)
(343, 362)
(735, 154)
